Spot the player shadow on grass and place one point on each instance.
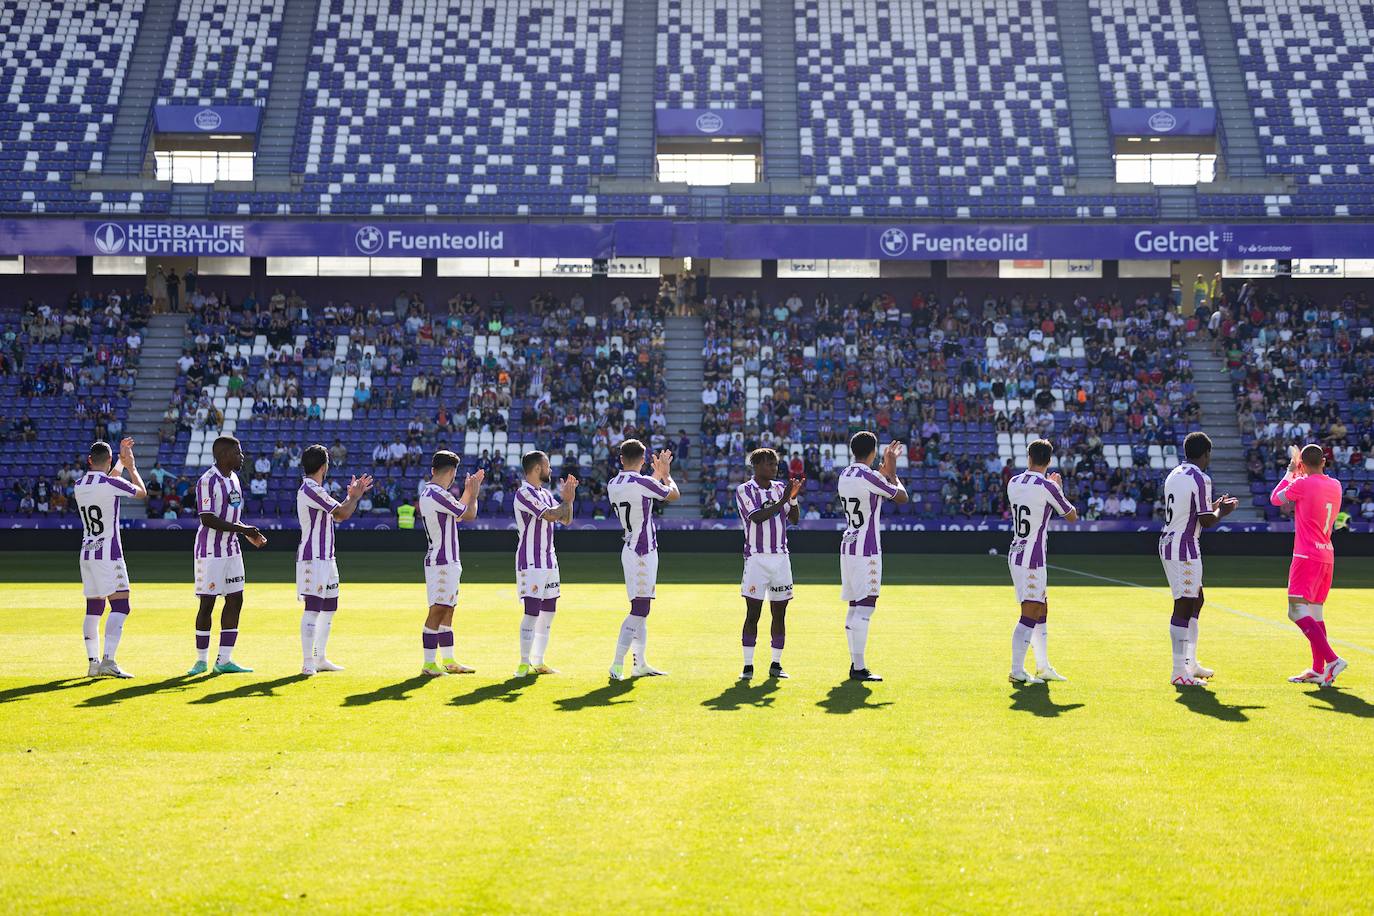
(28, 690)
(507, 691)
(180, 682)
(1338, 700)
(743, 693)
(847, 696)
(398, 691)
(1205, 702)
(1037, 700)
(254, 689)
(601, 696)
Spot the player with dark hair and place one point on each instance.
(862, 493)
(317, 573)
(536, 565)
(766, 506)
(1188, 508)
(632, 495)
(440, 514)
(218, 557)
(1316, 500)
(103, 572)
(1033, 498)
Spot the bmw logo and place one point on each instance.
(208, 119)
(109, 238)
(893, 242)
(369, 240)
(710, 122)
(1162, 122)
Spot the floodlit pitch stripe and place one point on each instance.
(1211, 604)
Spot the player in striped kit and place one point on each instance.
(1316, 500)
(862, 493)
(218, 557)
(103, 573)
(632, 495)
(766, 506)
(536, 565)
(440, 514)
(1034, 498)
(1188, 508)
(317, 574)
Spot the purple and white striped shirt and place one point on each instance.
(632, 496)
(440, 513)
(862, 492)
(1033, 497)
(315, 510)
(535, 549)
(223, 497)
(97, 501)
(1187, 495)
(770, 535)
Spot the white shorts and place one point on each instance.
(536, 583)
(1185, 576)
(767, 576)
(1030, 582)
(860, 577)
(219, 575)
(641, 573)
(317, 578)
(441, 583)
(103, 578)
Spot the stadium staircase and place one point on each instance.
(1212, 387)
(277, 136)
(1242, 156)
(1091, 137)
(128, 150)
(157, 376)
(683, 365)
(639, 59)
(1178, 203)
(781, 131)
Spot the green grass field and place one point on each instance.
(943, 789)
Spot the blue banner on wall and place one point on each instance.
(664, 238)
(206, 119)
(1163, 122)
(708, 122)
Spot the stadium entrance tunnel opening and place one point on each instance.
(1166, 161)
(711, 162)
(204, 158)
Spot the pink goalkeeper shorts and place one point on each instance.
(1309, 580)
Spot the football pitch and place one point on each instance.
(942, 789)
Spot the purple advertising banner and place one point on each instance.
(662, 238)
(1163, 122)
(708, 122)
(206, 119)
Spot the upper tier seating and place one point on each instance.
(710, 54)
(222, 51)
(1150, 55)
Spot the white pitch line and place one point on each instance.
(1221, 607)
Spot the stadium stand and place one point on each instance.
(221, 52)
(1150, 55)
(710, 54)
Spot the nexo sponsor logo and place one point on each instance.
(710, 122)
(208, 119)
(1161, 122)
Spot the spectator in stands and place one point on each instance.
(338, 453)
(25, 428)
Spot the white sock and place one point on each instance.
(308, 619)
(203, 652)
(849, 632)
(859, 633)
(226, 652)
(446, 646)
(114, 628)
(90, 632)
(748, 655)
(322, 627)
(640, 644)
(629, 629)
(1192, 640)
(527, 623)
(1020, 642)
(430, 650)
(1178, 637)
(542, 628)
(1040, 638)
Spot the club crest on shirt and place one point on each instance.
(235, 498)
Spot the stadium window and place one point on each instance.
(743, 269)
(396, 267)
(715, 169)
(632, 267)
(1166, 169)
(293, 267)
(565, 267)
(49, 264)
(1023, 269)
(1150, 269)
(513, 267)
(791, 268)
(103, 266)
(12, 264)
(344, 267)
(855, 269)
(225, 267)
(1359, 267)
(462, 267)
(1070, 269)
(189, 166)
